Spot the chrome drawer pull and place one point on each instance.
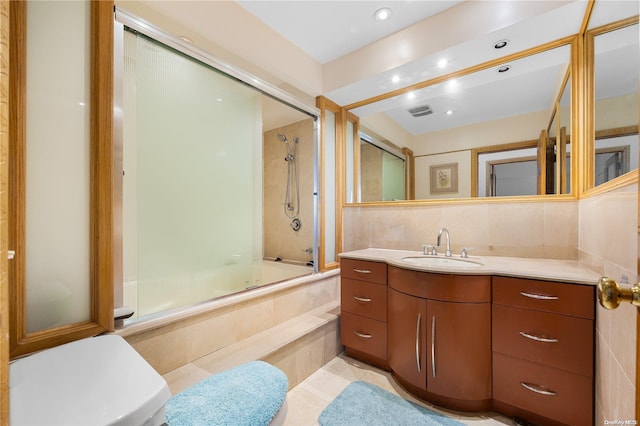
(538, 389)
(362, 299)
(362, 271)
(364, 336)
(538, 296)
(538, 339)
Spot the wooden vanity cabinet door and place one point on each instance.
(459, 350)
(407, 337)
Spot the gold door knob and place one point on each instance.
(610, 294)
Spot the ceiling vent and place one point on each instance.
(421, 111)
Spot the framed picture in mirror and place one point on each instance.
(444, 178)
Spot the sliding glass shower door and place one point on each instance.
(192, 192)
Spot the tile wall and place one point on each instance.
(175, 344)
(279, 239)
(608, 245)
(526, 229)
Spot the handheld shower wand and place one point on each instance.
(292, 195)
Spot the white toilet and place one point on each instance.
(95, 381)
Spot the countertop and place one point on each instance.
(569, 271)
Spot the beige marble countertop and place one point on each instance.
(569, 271)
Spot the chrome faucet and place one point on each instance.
(447, 251)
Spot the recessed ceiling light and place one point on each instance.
(500, 44)
(395, 79)
(442, 63)
(504, 68)
(449, 112)
(382, 14)
(411, 95)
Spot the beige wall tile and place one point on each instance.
(165, 348)
(535, 229)
(279, 239)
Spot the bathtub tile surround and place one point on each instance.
(600, 232)
(171, 342)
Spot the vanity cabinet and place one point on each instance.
(363, 298)
(543, 350)
(439, 329)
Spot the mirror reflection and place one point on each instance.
(382, 171)
(488, 124)
(616, 71)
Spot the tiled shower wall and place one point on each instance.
(600, 232)
(279, 239)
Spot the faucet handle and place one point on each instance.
(465, 252)
(429, 250)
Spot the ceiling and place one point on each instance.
(329, 30)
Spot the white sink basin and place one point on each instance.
(452, 262)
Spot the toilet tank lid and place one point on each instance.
(99, 381)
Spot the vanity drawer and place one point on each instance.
(375, 272)
(571, 299)
(364, 299)
(364, 334)
(556, 394)
(555, 340)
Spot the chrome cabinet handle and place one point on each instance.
(538, 389)
(362, 271)
(364, 336)
(433, 346)
(538, 296)
(537, 338)
(362, 299)
(418, 342)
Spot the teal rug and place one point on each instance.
(363, 404)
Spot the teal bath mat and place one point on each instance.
(363, 404)
(248, 395)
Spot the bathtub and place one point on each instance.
(152, 297)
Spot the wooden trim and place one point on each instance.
(613, 26)
(4, 202)
(562, 152)
(341, 169)
(587, 100)
(324, 105)
(17, 126)
(102, 163)
(410, 174)
(616, 132)
(551, 198)
(542, 163)
(101, 135)
(463, 72)
(588, 160)
(356, 155)
(619, 182)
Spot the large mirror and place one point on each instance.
(615, 100)
(479, 134)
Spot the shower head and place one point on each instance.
(282, 138)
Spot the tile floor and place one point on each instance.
(307, 400)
